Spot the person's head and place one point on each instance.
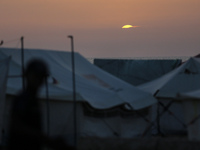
(35, 73)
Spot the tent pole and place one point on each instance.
(47, 102)
(22, 61)
(74, 89)
(158, 120)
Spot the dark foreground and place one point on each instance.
(156, 143)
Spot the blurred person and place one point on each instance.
(25, 126)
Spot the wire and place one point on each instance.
(2, 42)
(11, 41)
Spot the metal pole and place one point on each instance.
(47, 102)
(74, 89)
(22, 61)
(158, 119)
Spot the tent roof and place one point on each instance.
(136, 71)
(183, 79)
(190, 95)
(99, 88)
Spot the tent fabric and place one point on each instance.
(191, 103)
(137, 72)
(191, 95)
(61, 122)
(99, 88)
(183, 79)
(114, 127)
(4, 66)
(192, 118)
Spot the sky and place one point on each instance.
(163, 28)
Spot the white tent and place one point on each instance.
(4, 66)
(191, 104)
(191, 94)
(99, 89)
(104, 86)
(183, 79)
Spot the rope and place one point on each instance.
(158, 116)
(193, 120)
(166, 109)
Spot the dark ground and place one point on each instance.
(155, 143)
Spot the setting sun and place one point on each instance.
(129, 26)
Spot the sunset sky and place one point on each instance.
(161, 27)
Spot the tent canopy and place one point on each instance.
(191, 95)
(182, 79)
(99, 88)
(135, 71)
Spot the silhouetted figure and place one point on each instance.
(26, 128)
